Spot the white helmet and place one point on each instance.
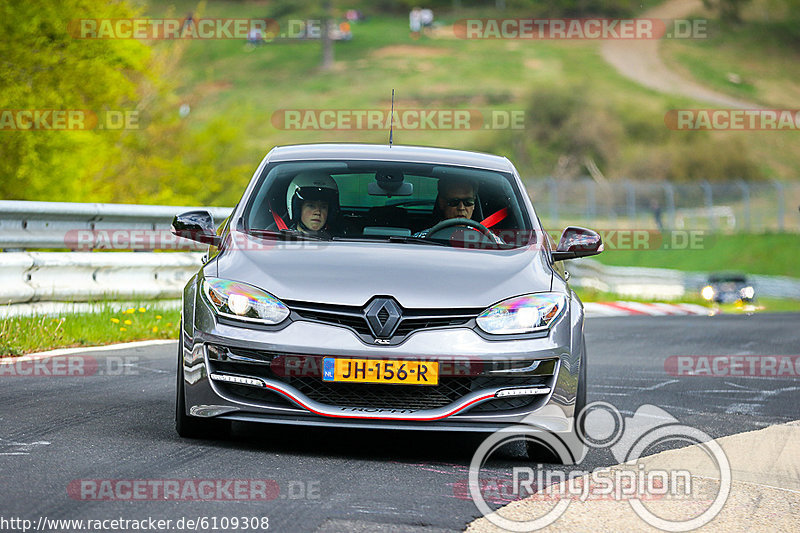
(312, 185)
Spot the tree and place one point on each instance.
(44, 67)
(729, 10)
(315, 10)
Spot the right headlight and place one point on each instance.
(239, 300)
(523, 314)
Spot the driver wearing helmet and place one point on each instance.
(312, 200)
(456, 199)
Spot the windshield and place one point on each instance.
(386, 201)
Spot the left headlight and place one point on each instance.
(239, 300)
(707, 293)
(523, 314)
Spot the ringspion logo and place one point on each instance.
(629, 439)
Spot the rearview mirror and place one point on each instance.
(578, 242)
(389, 184)
(196, 226)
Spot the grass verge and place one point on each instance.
(763, 305)
(221, 79)
(108, 325)
(773, 254)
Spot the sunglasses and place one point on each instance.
(453, 202)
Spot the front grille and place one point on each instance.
(393, 396)
(450, 388)
(410, 325)
(358, 323)
(411, 320)
(262, 396)
(506, 404)
(376, 395)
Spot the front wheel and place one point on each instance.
(542, 452)
(192, 427)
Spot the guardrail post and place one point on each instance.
(709, 201)
(746, 200)
(780, 197)
(631, 199)
(669, 197)
(552, 186)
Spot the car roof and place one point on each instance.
(384, 152)
(716, 277)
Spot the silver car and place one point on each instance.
(387, 310)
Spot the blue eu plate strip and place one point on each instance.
(327, 369)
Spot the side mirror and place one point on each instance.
(578, 242)
(196, 226)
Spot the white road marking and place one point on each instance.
(93, 349)
(26, 446)
(659, 385)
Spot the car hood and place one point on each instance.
(352, 273)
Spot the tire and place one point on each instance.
(192, 427)
(541, 453)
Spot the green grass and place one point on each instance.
(21, 335)
(222, 80)
(763, 305)
(773, 254)
(757, 52)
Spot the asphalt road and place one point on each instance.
(118, 425)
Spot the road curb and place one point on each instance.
(83, 349)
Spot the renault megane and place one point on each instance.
(385, 287)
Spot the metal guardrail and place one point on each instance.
(658, 283)
(84, 276)
(28, 277)
(59, 225)
(629, 282)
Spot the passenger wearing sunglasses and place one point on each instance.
(456, 199)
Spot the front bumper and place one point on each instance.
(230, 372)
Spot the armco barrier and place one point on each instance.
(629, 282)
(658, 283)
(85, 276)
(26, 225)
(27, 277)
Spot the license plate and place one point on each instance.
(380, 371)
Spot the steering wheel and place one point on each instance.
(444, 224)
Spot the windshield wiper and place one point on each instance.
(416, 240)
(284, 235)
(389, 238)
